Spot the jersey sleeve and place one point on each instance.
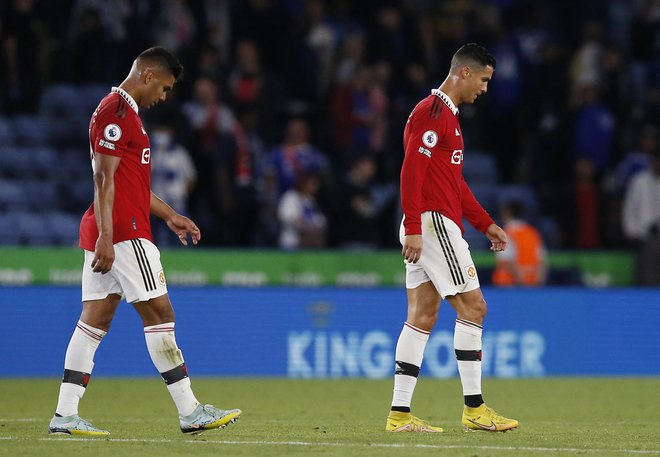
(110, 134)
(420, 144)
(473, 211)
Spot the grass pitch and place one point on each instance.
(563, 417)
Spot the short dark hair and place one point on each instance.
(472, 53)
(164, 58)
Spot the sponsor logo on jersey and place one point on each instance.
(424, 151)
(146, 155)
(430, 138)
(457, 156)
(471, 272)
(112, 132)
(457, 132)
(107, 144)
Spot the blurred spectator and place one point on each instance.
(173, 175)
(218, 26)
(360, 112)
(266, 211)
(224, 164)
(356, 224)
(615, 80)
(386, 38)
(586, 66)
(594, 129)
(90, 49)
(267, 24)
(246, 80)
(506, 90)
(586, 198)
(175, 26)
(618, 178)
(210, 64)
(295, 156)
(25, 51)
(322, 41)
(523, 262)
(342, 19)
(351, 56)
(252, 87)
(302, 224)
(641, 221)
(635, 160)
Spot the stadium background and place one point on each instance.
(571, 115)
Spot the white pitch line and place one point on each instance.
(370, 445)
(23, 419)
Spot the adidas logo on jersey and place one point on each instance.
(457, 132)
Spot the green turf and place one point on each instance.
(564, 417)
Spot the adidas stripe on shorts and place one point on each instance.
(136, 273)
(445, 260)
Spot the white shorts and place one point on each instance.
(136, 274)
(445, 260)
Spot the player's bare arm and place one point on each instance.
(412, 248)
(497, 238)
(104, 199)
(181, 225)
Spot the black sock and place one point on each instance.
(401, 409)
(473, 401)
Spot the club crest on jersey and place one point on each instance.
(146, 155)
(471, 272)
(112, 132)
(430, 138)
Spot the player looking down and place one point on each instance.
(435, 198)
(121, 260)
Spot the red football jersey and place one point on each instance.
(116, 129)
(432, 171)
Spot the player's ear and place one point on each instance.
(148, 75)
(465, 72)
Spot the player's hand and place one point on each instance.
(497, 238)
(104, 255)
(183, 227)
(412, 248)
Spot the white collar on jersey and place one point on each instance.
(125, 96)
(445, 98)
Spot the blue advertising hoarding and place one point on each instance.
(343, 332)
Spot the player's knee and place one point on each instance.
(98, 322)
(427, 321)
(472, 310)
(428, 316)
(478, 310)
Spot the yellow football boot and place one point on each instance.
(484, 418)
(406, 422)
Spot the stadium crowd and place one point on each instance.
(286, 129)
